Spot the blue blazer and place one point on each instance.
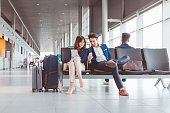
(124, 46)
(105, 50)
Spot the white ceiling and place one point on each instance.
(47, 20)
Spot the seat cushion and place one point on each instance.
(84, 72)
(160, 72)
(129, 72)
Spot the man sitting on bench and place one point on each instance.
(125, 40)
(101, 59)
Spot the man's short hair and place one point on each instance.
(93, 35)
(125, 36)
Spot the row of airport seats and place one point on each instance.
(155, 64)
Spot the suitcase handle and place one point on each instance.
(52, 72)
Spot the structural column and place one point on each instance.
(0, 7)
(105, 37)
(139, 33)
(62, 42)
(65, 40)
(122, 28)
(60, 45)
(80, 20)
(55, 47)
(28, 60)
(58, 48)
(70, 35)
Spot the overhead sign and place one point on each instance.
(10, 41)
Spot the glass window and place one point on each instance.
(117, 42)
(130, 27)
(116, 32)
(100, 39)
(85, 22)
(152, 16)
(152, 36)
(111, 42)
(132, 40)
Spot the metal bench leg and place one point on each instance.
(157, 81)
(60, 86)
(168, 86)
(163, 84)
(160, 79)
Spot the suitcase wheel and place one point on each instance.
(46, 90)
(33, 90)
(40, 90)
(55, 90)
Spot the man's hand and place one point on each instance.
(89, 58)
(111, 64)
(110, 61)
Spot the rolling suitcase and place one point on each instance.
(37, 78)
(50, 74)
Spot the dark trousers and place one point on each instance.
(102, 66)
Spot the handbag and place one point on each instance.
(133, 65)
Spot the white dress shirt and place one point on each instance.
(99, 54)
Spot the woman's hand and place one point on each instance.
(77, 56)
(72, 57)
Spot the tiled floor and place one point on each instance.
(16, 96)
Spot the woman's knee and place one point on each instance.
(76, 59)
(70, 63)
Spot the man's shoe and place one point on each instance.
(123, 79)
(123, 92)
(111, 64)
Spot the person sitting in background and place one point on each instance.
(125, 40)
(77, 63)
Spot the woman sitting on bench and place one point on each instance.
(77, 57)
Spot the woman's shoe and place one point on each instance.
(81, 85)
(70, 91)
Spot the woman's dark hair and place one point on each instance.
(93, 35)
(78, 40)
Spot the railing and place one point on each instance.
(11, 16)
